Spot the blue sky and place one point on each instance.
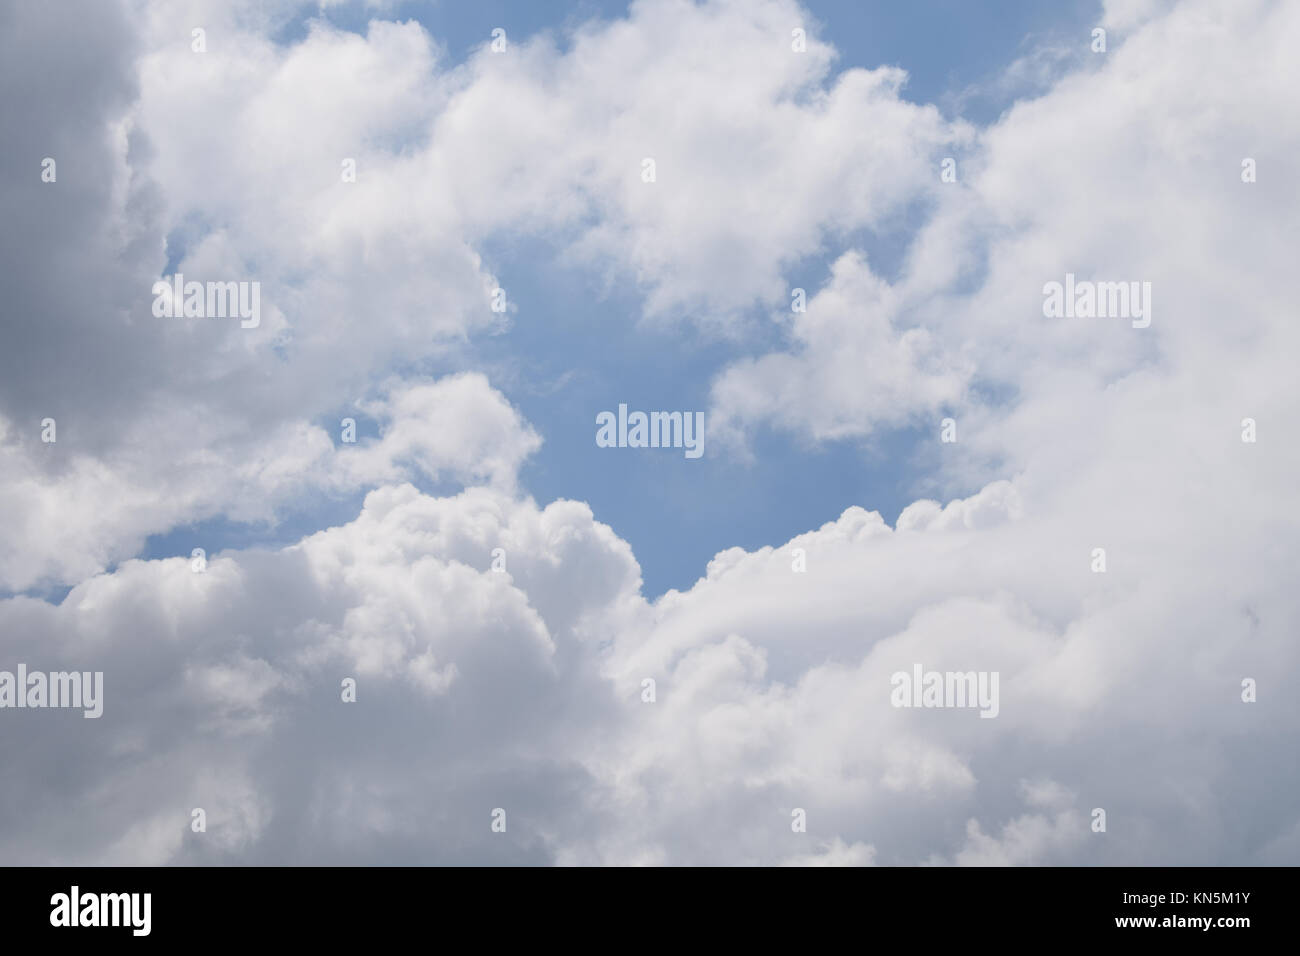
(571, 328)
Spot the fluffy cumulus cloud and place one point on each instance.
(503, 650)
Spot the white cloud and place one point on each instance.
(522, 688)
(178, 465)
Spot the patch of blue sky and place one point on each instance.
(572, 352)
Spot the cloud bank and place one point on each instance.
(501, 646)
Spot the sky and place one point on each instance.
(952, 54)
(642, 657)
